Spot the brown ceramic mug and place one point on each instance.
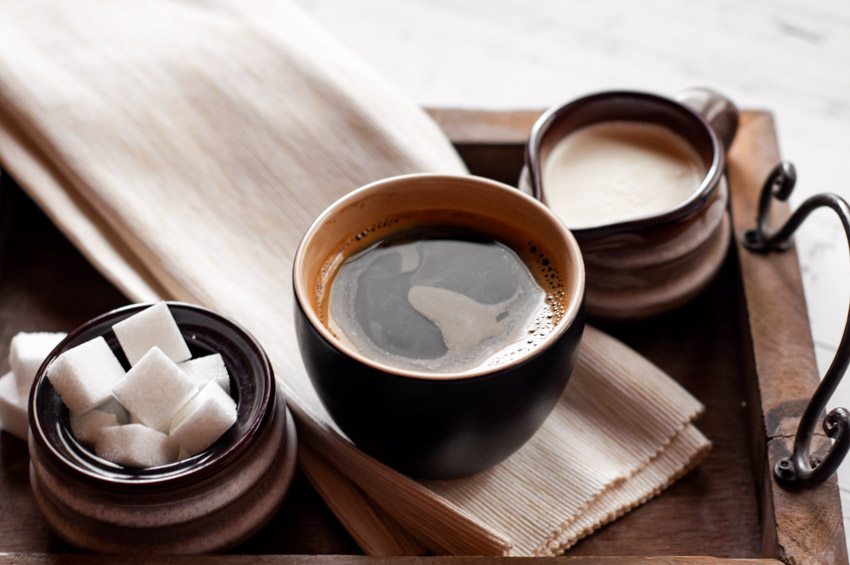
(438, 425)
(644, 266)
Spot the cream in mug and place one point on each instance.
(615, 171)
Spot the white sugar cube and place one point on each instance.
(152, 327)
(204, 419)
(85, 375)
(204, 369)
(135, 445)
(154, 389)
(13, 408)
(112, 406)
(27, 352)
(85, 427)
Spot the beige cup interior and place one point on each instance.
(369, 214)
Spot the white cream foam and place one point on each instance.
(616, 171)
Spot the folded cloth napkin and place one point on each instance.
(185, 147)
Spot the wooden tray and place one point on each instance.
(744, 348)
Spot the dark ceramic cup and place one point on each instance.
(644, 266)
(436, 425)
(207, 502)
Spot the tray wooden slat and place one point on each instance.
(44, 559)
(796, 524)
(733, 347)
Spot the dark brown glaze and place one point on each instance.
(643, 267)
(559, 121)
(205, 332)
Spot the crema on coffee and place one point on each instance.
(442, 298)
(615, 171)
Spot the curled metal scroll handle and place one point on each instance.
(800, 470)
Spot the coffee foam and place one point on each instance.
(479, 320)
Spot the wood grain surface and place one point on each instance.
(773, 349)
(357, 560)
(801, 526)
(711, 346)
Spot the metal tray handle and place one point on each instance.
(800, 470)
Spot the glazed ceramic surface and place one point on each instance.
(648, 265)
(207, 502)
(446, 425)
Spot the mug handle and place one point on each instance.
(801, 470)
(720, 112)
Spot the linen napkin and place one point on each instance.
(185, 147)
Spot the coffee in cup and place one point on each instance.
(427, 292)
(493, 283)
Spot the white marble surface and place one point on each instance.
(791, 57)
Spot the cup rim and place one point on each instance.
(186, 472)
(571, 312)
(700, 195)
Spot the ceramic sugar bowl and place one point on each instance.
(207, 502)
